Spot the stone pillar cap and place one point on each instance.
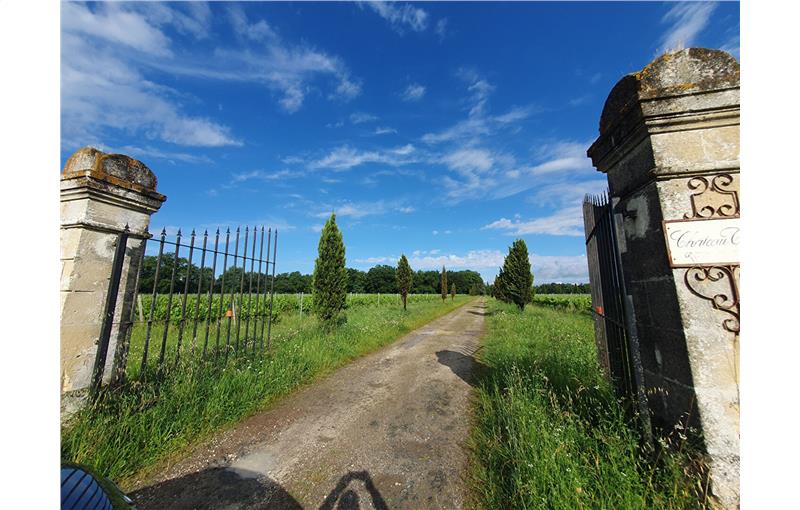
(116, 169)
(683, 72)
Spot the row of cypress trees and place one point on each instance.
(329, 280)
(514, 283)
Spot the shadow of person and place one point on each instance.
(345, 498)
(216, 488)
(464, 366)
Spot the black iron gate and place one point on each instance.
(613, 324)
(182, 310)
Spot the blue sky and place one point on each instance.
(440, 130)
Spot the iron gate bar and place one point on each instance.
(258, 290)
(250, 290)
(182, 323)
(269, 240)
(230, 308)
(222, 290)
(271, 288)
(241, 288)
(211, 291)
(121, 356)
(199, 290)
(169, 303)
(152, 305)
(108, 312)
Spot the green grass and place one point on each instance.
(548, 431)
(135, 427)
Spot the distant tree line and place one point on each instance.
(381, 279)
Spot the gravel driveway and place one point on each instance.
(386, 431)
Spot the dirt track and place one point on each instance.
(386, 431)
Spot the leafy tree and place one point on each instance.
(405, 278)
(356, 281)
(330, 275)
(381, 279)
(516, 275)
(453, 292)
(444, 284)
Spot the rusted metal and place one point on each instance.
(108, 312)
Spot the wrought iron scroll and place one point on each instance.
(701, 282)
(720, 184)
(709, 282)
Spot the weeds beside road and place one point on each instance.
(549, 432)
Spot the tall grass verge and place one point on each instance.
(549, 432)
(138, 425)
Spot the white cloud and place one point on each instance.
(109, 48)
(560, 268)
(385, 131)
(345, 158)
(401, 16)
(406, 210)
(732, 46)
(355, 210)
(116, 24)
(258, 31)
(479, 124)
(101, 92)
(414, 92)
(152, 152)
(265, 176)
(361, 117)
(441, 29)
(377, 260)
(467, 161)
(687, 20)
(564, 222)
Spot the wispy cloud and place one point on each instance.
(362, 117)
(103, 87)
(564, 222)
(441, 29)
(687, 20)
(385, 131)
(109, 50)
(401, 16)
(346, 157)
(358, 210)
(147, 152)
(414, 92)
(479, 124)
(265, 176)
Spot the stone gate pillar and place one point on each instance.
(669, 144)
(100, 194)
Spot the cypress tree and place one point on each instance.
(444, 284)
(498, 289)
(330, 275)
(517, 278)
(453, 292)
(404, 278)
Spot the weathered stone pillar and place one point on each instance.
(669, 143)
(100, 195)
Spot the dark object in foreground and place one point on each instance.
(82, 489)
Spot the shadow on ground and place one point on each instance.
(345, 497)
(240, 489)
(216, 488)
(463, 365)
